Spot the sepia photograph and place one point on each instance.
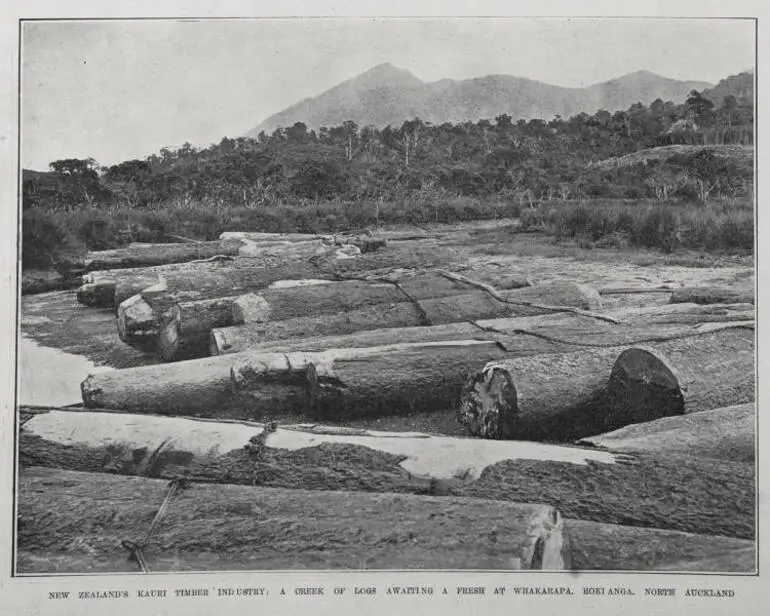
(386, 294)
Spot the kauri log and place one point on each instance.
(159, 254)
(186, 328)
(725, 433)
(712, 295)
(231, 452)
(568, 329)
(236, 280)
(573, 395)
(653, 549)
(64, 528)
(183, 388)
(457, 308)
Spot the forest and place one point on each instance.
(297, 179)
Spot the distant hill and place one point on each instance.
(740, 86)
(386, 95)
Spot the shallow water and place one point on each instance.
(49, 376)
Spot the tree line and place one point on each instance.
(529, 160)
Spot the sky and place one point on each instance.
(115, 90)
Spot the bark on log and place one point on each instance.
(574, 395)
(258, 237)
(653, 549)
(232, 281)
(200, 387)
(725, 433)
(712, 295)
(365, 243)
(108, 288)
(228, 452)
(185, 330)
(636, 325)
(202, 521)
(284, 250)
(470, 306)
(159, 254)
(738, 560)
(139, 316)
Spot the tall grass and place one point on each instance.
(723, 225)
(52, 235)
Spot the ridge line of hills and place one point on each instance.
(388, 95)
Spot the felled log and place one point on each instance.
(395, 380)
(43, 281)
(725, 433)
(159, 254)
(589, 484)
(457, 308)
(573, 395)
(204, 521)
(738, 559)
(287, 259)
(100, 288)
(653, 549)
(297, 455)
(138, 316)
(185, 329)
(231, 281)
(284, 250)
(566, 330)
(666, 491)
(713, 295)
(184, 388)
(108, 288)
(365, 243)
(259, 237)
(708, 372)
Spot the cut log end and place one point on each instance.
(218, 342)
(641, 387)
(89, 391)
(169, 338)
(250, 308)
(136, 321)
(489, 397)
(321, 383)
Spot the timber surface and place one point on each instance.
(209, 526)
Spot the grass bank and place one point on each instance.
(726, 225)
(53, 237)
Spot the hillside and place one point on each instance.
(740, 154)
(386, 95)
(740, 86)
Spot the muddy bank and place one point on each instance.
(56, 320)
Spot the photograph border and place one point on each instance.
(758, 126)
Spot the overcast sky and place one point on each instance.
(119, 90)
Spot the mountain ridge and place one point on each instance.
(386, 94)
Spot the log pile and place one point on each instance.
(249, 523)
(264, 335)
(587, 392)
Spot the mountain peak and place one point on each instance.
(386, 94)
(386, 75)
